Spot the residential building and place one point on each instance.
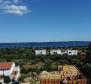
(72, 52)
(6, 68)
(55, 51)
(9, 69)
(41, 52)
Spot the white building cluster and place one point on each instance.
(56, 51)
(41, 52)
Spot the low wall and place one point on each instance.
(57, 81)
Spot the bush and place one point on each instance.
(22, 78)
(7, 79)
(24, 71)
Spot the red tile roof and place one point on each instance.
(5, 65)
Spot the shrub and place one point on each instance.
(7, 79)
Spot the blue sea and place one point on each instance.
(44, 44)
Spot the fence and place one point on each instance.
(58, 81)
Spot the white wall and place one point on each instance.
(1, 72)
(12, 68)
(40, 52)
(18, 74)
(4, 72)
(56, 51)
(72, 52)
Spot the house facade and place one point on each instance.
(9, 69)
(72, 52)
(6, 68)
(55, 51)
(41, 52)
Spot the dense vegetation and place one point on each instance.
(85, 65)
(29, 62)
(24, 54)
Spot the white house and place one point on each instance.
(9, 69)
(41, 52)
(64, 51)
(72, 52)
(6, 68)
(55, 51)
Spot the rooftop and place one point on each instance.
(5, 65)
(66, 71)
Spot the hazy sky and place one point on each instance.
(45, 20)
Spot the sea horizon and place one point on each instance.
(43, 41)
(44, 44)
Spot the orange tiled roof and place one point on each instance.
(5, 65)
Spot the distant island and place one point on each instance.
(44, 44)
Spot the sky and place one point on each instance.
(45, 20)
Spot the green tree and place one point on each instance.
(88, 54)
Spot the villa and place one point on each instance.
(55, 51)
(41, 52)
(9, 69)
(72, 52)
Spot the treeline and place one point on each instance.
(85, 64)
(11, 54)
